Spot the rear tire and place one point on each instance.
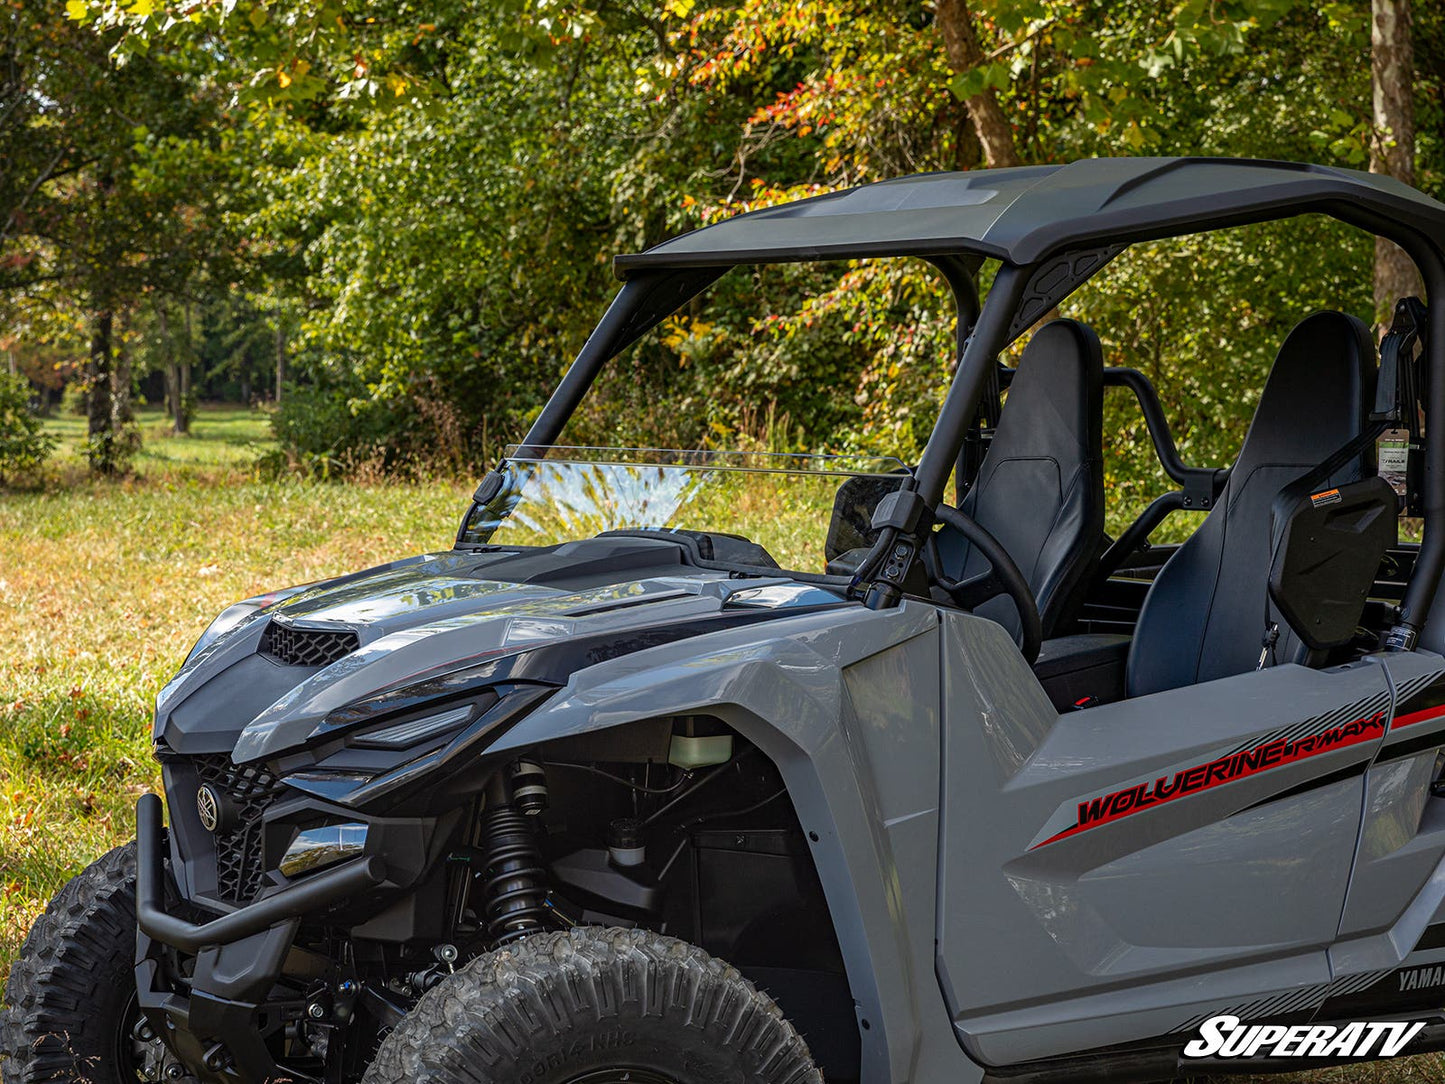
(604, 1006)
(70, 999)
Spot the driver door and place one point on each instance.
(1114, 875)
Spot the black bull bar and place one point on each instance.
(213, 1027)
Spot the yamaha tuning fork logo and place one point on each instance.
(208, 807)
(1229, 1037)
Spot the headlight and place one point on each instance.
(413, 731)
(375, 759)
(317, 847)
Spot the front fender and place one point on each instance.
(846, 705)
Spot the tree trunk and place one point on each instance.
(967, 151)
(121, 415)
(183, 422)
(101, 448)
(183, 380)
(175, 390)
(280, 354)
(960, 43)
(1392, 146)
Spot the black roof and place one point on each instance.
(1022, 215)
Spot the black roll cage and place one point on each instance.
(1022, 293)
(1199, 487)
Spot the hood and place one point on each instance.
(271, 671)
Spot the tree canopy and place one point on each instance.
(406, 208)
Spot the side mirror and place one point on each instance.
(851, 527)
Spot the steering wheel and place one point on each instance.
(1002, 578)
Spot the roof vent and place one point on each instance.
(307, 647)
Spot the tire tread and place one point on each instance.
(58, 978)
(497, 1005)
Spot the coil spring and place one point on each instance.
(515, 886)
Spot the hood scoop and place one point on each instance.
(291, 646)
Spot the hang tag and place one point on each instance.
(1392, 452)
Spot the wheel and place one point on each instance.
(595, 1006)
(70, 1003)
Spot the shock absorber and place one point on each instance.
(514, 889)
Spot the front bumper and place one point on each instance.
(318, 891)
(218, 1022)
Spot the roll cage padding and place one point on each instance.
(1040, 488)
(1206, 612)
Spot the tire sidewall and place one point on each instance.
(71, 991)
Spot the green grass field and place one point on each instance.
(105, 586)
(103, 589)
(223, 438)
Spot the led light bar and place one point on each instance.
(401, 735)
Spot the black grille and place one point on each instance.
(240, 858)
(307, 647)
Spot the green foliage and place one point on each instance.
(322, 58)
(330, 431)
(1202, 317)
(1429, 30)
(73, 401)
(120, 181)
(24, 445)
(445, 243)
(425, 196)
(843, 96)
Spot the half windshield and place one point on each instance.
(762, 509)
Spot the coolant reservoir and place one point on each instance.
(699, 742)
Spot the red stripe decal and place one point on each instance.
(1424, 715)
(1262, 758)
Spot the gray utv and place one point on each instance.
(635, 783)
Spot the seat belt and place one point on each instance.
(1397, 400)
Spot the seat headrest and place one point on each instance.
(1055, 405)
(1312, 402)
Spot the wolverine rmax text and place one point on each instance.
(1274, 753)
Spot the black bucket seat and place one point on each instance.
(1205, 614)
(1040, 488)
